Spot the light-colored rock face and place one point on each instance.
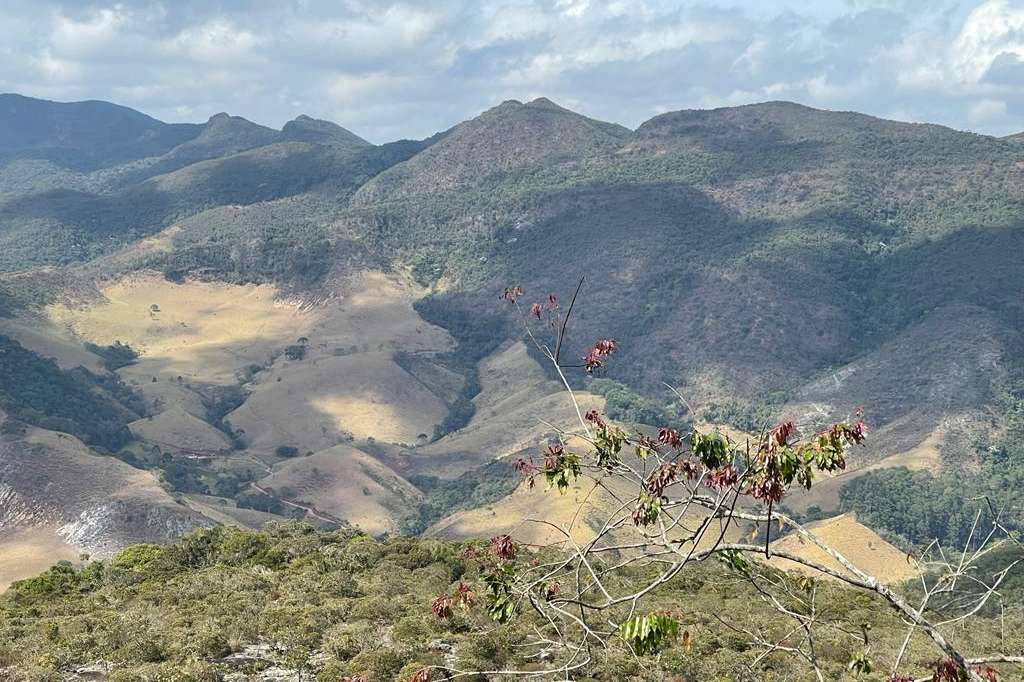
(59, 498)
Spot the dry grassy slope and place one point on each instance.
(165, 393)
(526, 513)
(582, 512)
(29, 551)
(311, 404)
(58, 496)
(206, 333)
(864, 548)
(348, 383)
(40, 335)
(348, 484)
(176, 429)
(199, 330)
(514, 402)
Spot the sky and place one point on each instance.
(389, 70)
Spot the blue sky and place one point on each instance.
(408, 69)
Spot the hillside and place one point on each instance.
(315, 316)
(58, 494)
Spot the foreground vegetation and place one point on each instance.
(341, 604)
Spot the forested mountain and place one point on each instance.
(768, 261)
(83, 136)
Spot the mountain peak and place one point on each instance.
(545, 103)
(507, 138)
(305, 128)
(226, 120)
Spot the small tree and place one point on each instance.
(686, 496)
(286, 451)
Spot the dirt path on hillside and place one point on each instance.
(308, 508)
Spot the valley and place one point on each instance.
(542, 340)
(226, 325)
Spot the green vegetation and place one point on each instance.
(220, 401)
(336, 604)
(35, 390)
(260, 502)
(83, 135)
(626, 405)
(746, 416)
(114, 356)
(477, 334)
(7, 305)
(919, 507)
(295, 352)
(477, 488)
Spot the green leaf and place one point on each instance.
(647, 633)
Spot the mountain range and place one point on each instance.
(254, 323)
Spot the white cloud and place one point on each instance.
(987, 110)
(91, 36)
(993, 28)
(390, 68)
(215, 42)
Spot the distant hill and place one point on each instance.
(56, 211)
(83, 135)
(316, 131)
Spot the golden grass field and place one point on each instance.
(312, 403)
(577, 512)
(177, 429)
(346, 483)
(864, 548)
(206, 333)
(166, 394)
(198, 330)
